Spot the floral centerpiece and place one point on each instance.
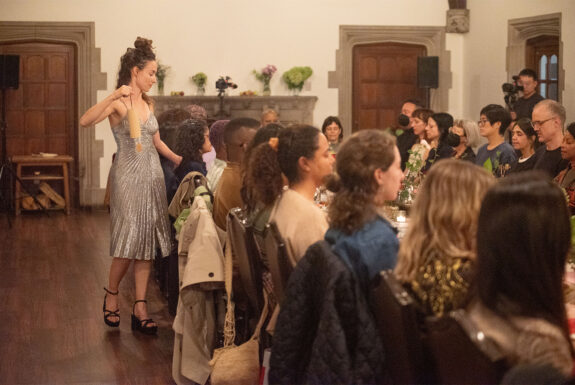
(200, 79)
(264, 76)
(412, 180)
(161, 74)
(295, 77)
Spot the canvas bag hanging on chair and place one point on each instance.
(231, 364)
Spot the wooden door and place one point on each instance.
(41, 113)
(384, 76)
(542, 56)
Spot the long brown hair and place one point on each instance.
(354, 182)
(135, 57)
(443, 220)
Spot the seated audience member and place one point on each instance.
(523, 139)
(197, 112)
(302, 156)
(269, 116)
(326, 333)
(368, 174)
(419, 120)
(437, 254)
(333, 131)
(217, 141)
(468, 132)
(257, 210)
(523, 107)
(192, 141)
(238, 133)
(548, 121)
(523, 238)
(405, 136)
(438, 127)
(497, 155)
(566, 178)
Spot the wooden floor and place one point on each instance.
(52, 273)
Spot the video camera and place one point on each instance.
(511, 91)
(224, 83)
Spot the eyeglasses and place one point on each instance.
(539, 123)
(482, 122)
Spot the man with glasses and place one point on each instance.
(523, 108)
(238, 133)
(548, 120)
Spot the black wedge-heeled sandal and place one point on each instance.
(110, 313)
(142, 324)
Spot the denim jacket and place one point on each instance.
(367, 251)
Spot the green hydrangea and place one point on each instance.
(296, 76)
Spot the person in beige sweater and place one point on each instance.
(301, 155)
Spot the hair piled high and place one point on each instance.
(190, 139)
(521, 272)
(354, 182)
(135, 57)
(266, 165)
(444, 216)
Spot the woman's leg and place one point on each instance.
(142, 271)
(117, 272)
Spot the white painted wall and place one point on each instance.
(231, 37)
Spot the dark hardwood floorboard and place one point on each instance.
(52, 273)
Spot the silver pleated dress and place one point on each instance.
(138, 203)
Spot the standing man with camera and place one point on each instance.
(523, 108)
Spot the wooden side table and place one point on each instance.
(39, 169)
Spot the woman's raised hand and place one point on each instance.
(122, 92)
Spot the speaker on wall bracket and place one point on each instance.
(428, 71)
(9, 71)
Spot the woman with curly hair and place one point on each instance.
(257, 211)
(437, 254)
(138, 205)
(368, 173)
(301, 155)
(192, 141)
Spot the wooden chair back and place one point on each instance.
(462, 354)
(399, 322)
(278, 260)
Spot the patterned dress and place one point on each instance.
(138, 205)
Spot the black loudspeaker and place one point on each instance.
(428, 71)
(9, 71)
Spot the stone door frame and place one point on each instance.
(89, 81)
(433, 38)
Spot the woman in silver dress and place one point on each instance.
(138, 206)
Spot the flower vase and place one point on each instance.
(201, 91)
(267, 90)
(160, 88)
